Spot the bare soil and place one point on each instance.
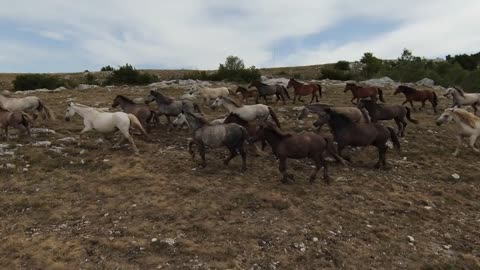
(88, 206)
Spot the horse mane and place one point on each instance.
(459, 90)
(236, 104)
(259, 82)
(466, 117)
(407, 89)
(166, 99)
(200, 118)
(125, 99)
(339, 117)
(270, 126)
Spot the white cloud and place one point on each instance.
(200, 34)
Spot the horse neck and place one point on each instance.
(273, 138)
(338, 125)
(84, 112)
(230, 107)
(296, 83)
(194, 123)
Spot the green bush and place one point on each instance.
(335, 74)
(342, 65)
(129, 75)
(36, 81)
(107, 68)
(232, 70)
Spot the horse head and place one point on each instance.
(397, 90)
(445, 117)
(70, 111)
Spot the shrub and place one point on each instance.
(129, 75)
(297, 76)
(342, 65)
(90, 79)
(36, 81)
(335, 74)
(107, 68)
(232, 70)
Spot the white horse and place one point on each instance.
(207, 93)
(246, 112)
(460, 98)
(106, 122)
(469, 126)
(26, 104)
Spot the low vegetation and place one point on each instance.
(129, 75)
(461, 70)
(232, 70)
(35, 81)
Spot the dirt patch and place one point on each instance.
(87, 206)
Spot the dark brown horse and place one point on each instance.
(413, 94)
(251, 128)
(265, 90)
(379, 112)
(301, 89)
(141, 111)
(364, 92)
(346, 132)
(246, 93)
(18, 120)
(296, 146)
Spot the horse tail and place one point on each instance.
(380, 95)
(319, 89)
(285, 91)
(136, 123)
(435, 99)
(332, 151)
(409, 116)
(197, 107)
(274, 116)
(48, 113)
(394, 138)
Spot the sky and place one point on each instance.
(69, 36)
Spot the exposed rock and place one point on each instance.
(298, 109)
(455, 176)
(281, 81)
(42, 143)
(42, 130)
(426, 82)
(67, 140)
(381, 82)
(139, 100)
(86, 86)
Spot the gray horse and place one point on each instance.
(205, 135)
(170, 107)
(265, 90)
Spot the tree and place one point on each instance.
(372, 64)
(232, 63)
(406, 55)
(342, 65)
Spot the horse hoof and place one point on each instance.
(243, 170)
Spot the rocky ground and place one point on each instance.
(71, 202)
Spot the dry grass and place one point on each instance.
(101, 209)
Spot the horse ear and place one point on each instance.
(183, 112)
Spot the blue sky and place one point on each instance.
(67, 36)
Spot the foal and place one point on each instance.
(297, 146)
(18, 120)
(246, 93)
(412, 94)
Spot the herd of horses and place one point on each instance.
(359, 125)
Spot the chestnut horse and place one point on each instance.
(301, 89)
(246, 93)
(364, 92)
(413, 94)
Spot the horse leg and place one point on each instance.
(244, 157)
(317, 96)
(411, 104)
(459, 144)
(6, 132)
(381, 155)
(266, 100)
(294, 97)
(403, 103)
(201, 150)
(190, 148)
(256, 99)
(313, 96)
(130, 139)
(400, 126)
(233, 153)
(340, 149)
(423, 105)
(353, 98)
(283, 170)
(473, 139)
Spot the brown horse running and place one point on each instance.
(141, 111)
(246, 93)
(301, 89)
(364, 92)
(251, 128)
(297, 146)
(412, 94)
